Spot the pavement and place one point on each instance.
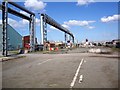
(61, 70)
(12, 57)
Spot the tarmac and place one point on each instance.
(77, 50)
(63, 70)
(12, 57)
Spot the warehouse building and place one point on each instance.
(14, 39)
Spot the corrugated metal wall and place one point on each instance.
(14, 39)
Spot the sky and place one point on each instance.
(86, 19)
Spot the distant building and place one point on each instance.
(14, 38)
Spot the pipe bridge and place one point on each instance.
(45, 19)
(5, 10)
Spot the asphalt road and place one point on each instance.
(61, 71)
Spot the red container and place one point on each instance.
(26, 41)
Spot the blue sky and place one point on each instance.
(84, 21)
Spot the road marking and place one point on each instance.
(44, 61)
(84, 61)
(80, 79)
(76, 74)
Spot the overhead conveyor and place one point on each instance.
(45, 19)
(20, 7)
(11, 11)
(31, 19)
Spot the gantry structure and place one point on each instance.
(31, 18)
(45, 19)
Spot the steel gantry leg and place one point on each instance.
(32, 34)
(30, 29)
(65, 39)
(43, 31)
(69, 37)
(5, 22)
(73, 39)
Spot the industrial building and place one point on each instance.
(14, 38)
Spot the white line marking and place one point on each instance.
(80, 79)
(84, 61)
(44, 61)
(76, 74)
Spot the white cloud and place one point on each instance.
(24, 13)
(80, 23)
(91, 27)
(15, 23)
(37, 21)
(70, 23)
(20, 24)
(23, 22)
(66, 26)
(26, 22)
(110, 18)
(51, 27)
(84, 2)
(35, 4)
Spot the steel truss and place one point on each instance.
(46, 19)
(31, 19)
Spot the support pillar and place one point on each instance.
(65, 39)
(45, 32)
(32, 34)
(73, 39)
(5, 28)
(42, 29)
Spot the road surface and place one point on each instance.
(61, 71)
